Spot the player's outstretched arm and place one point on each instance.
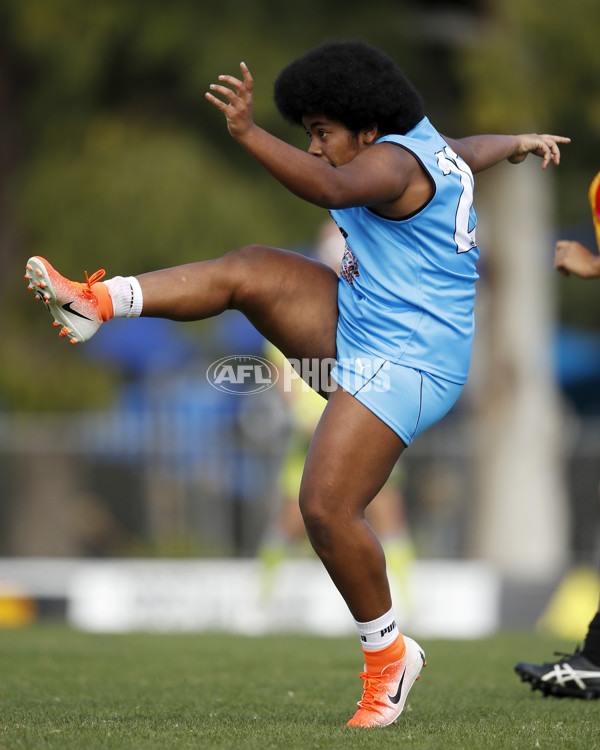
(296, 170)
(572, 257)
(483, 151)
(368, 179)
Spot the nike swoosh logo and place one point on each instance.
(68, 308)
(395, 698)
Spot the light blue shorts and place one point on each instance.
(407, 400)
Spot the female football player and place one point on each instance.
(397, 323)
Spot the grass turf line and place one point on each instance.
(65, 689)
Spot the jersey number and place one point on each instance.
(450, 162)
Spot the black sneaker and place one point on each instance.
(573, 676)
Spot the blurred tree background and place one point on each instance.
(111, 157)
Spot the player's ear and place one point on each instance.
(369, 135)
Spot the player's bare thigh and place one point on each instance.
(349, 460)
(290, 299)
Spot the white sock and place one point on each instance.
(379, 633)
(126, 295)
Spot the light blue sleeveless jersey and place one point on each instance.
(407, 287)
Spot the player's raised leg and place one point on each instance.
(290, 299)
(349, 460)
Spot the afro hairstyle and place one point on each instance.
(351, 82)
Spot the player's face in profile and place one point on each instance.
(330, 140)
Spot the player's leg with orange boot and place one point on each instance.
(349, 460)
(290, 299)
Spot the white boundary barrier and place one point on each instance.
(447, 598)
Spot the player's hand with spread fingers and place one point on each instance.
(237, 103)
(544, 146)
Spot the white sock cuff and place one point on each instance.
(379, 633)
(126, 295)
(137, 298)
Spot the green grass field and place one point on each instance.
(65, 689)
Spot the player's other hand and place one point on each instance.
(236, 101)
(544, 146)
(572, 257)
